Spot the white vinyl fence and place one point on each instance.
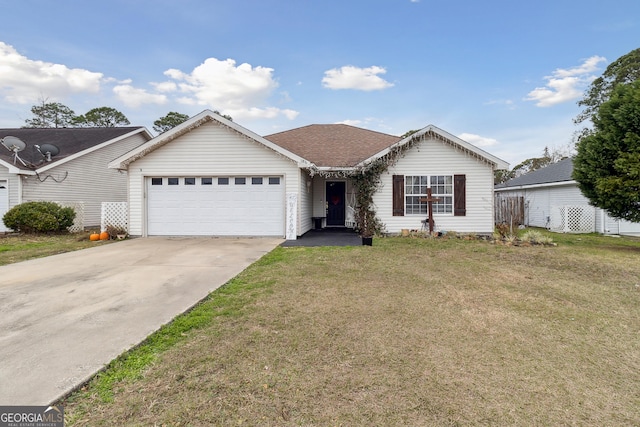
(78, 222)
(115, 214)
(573, 219)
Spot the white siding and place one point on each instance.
(433, 157)
(12, 182)
(209, 150)
(305, 203)
(84, 179)
(319, 201)
(4, 200)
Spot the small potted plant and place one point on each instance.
(116, 232)
(368, 225)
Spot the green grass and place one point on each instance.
(408, 332)
(228, 301)
(28, 246)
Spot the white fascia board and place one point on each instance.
(11, 168)
(534, 186)
(123, 161)
(92, 149)
(498, 163)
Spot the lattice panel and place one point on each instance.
(78, 222)
(115, 214)
(573, 219)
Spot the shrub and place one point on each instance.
(532, 236)
(39, 217)
(535, 237)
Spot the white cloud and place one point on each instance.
(350, 122)
(165, 86)
(133, 97)
(477, 140)
(350, 77)
(23, 80)
(240, 91)
(508, 103)
(566, 85)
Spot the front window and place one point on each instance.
(442, 188)
(416, 194)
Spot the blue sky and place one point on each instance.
(503, 75)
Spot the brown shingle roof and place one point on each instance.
(333, 145)
(68, 140)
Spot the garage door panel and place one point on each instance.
(225, 210)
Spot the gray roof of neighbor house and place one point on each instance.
(69, 141)
(554, 173)
(333, 145)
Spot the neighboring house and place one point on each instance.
(77, 175)
(553, 200)
(210, 176)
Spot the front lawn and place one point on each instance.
(28, 246)
(407, 332)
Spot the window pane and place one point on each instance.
(189, 181)
(274, 181)
(442, 188)
(256, 181)
(172, 181)
(156, 181)
(415, 191)
(206, 181)
(223, 181)
(241, 181)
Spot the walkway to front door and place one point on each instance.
(338, 236)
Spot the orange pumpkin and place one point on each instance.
(94, 236)
(104, 236)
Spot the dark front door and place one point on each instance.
(335, 203)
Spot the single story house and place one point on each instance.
(211, 176)
(552, 200)
(65, 165)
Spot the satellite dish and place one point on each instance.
(15, 145)
(48, 151)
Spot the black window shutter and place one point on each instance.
(398, 195)
(459, 195)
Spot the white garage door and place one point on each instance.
(215, 206)
(4, 204)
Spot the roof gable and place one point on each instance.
(196, 121)
(432, 132)
(72, 143)
(558, 172)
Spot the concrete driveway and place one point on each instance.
(62, 318)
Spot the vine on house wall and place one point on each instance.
(366, 181)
